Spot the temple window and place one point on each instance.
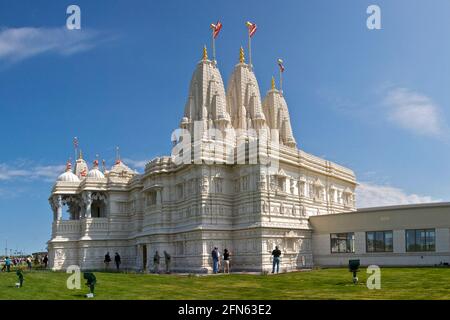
(151, 198)
(218, 185)
(98, 209)
(281, 183)
(301, 187)
(245, 183)
(179, 188)
(347, 197)
(319, 190)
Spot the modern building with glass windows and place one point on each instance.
(397, 236)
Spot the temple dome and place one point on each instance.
(95, 172)
(68, 176)
(120, 167)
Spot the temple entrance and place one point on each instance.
(98, 209)
(144, 257)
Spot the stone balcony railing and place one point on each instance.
(94, 225)
(66, 228)
(74, 229)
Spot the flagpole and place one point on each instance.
(76, 148)
(281, 81)
(214, 46)
(250, 50)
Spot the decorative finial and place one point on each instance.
(103, 165)
(117, 155)
(80, 155)
(241, 55)
(205, 54)
(68, 165)
(273, 83)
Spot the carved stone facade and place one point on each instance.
(188, 209)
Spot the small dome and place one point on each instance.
(119, 167)
(68, 176)
(95, 173)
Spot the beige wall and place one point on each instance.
(397, 219)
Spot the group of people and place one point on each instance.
(117, 261)
(157, 259)
(216, 257)
(276, 253)
(216, 260)
(18, 261)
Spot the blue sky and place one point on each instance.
(373, 100)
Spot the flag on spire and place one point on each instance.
(281, 65)
(216, 28)
(251, 28)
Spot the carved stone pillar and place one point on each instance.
(158, 196)
(59, 206)
(88, 202)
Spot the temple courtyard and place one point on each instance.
(334, 283)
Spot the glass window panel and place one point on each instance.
(410, 240)
(379, 241)
(421, 240)
(342, 242)
(430, 240)
(388, 241)
(370, 242)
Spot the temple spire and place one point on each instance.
(241, 55)
(273, 83)
(80, 156)
(205, 54)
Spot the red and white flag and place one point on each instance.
(216, 28)
(251, 28)
(281, 65)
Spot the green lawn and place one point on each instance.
(396, 283)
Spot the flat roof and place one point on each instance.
(390, 208)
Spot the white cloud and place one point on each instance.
(17, 44)
(372, 195)
(136, 164)
(414, 112)
(30, 172)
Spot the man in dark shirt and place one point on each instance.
(107, 260)
(117, 260)
(276, 259)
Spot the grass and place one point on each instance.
(396, 283)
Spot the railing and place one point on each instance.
(76, 228)
(66, 227)
(94, 224)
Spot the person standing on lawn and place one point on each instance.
(226, 261)
(156, 259)
(167, 261)
(276, 259)
(7, 264)
(215, 257)
(45, 261)
(107, 260)
(117, 261)
(29, 263)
